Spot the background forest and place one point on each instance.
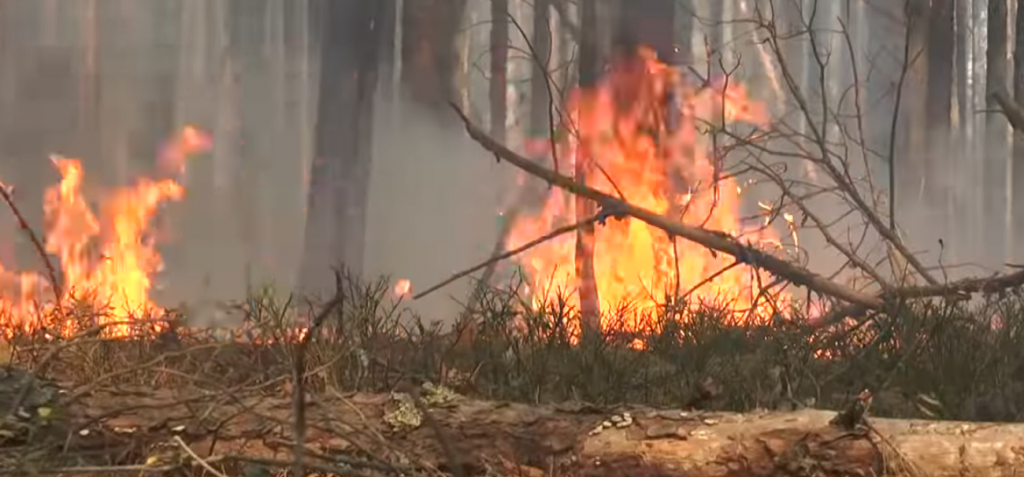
(731, 205)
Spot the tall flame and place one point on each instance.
(636, 155)
(109, 258)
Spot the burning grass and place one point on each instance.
(931, 360)
(964, 356)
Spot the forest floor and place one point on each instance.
(519, 399)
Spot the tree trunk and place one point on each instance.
(994, 172)
(335, 224)
(963, 69)
(517, 439)
(590, 71)
(685, 15)
(1017, 164)
(429, 31)
(652, 23)
(499, 65)
(386, 54)
(540, 92)
(938, 111)
(537, 139)
(911, 175)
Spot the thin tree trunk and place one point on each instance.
(589, 71)
(939, 110)
(911, 175)
(387, 53)
(963, 69)
(652, 23)
(1017, 164)
(994, 171)
(90, 127)
(539, 127)
(499, 65)
(429, 31)
(685, 15)
(335, 230)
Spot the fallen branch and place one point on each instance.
(714, 240)
(746, 254)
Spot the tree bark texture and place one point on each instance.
(590, 63)
(994, 169)
(652, 23)
(963, 68)
(499, 66)
(517, 439)
(1017, 192)
(429, 60)
(340, 171)
(939, 109)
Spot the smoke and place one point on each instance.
(434, 201)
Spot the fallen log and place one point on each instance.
(471, 437)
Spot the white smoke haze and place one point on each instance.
(152, 66)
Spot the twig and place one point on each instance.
(298, 375)
(511, 253)
(51, 271)
(199, 460)
(44, 363)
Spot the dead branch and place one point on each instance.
(509, 254)
(51, 271)
(714, 240)
(721, 242)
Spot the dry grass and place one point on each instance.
(926, 359)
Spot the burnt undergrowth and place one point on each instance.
(923, 359)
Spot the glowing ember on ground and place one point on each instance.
(107, 258)
(622, 129)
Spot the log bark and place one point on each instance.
(558, 440)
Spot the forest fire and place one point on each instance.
(106, 258)
(634, 153)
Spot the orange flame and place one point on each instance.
(110, 258)
(621, 131)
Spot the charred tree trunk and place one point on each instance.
(685, 16)
(540, 95)
(911, 175)
(1017, 191)
(499, 65)
(590, 72)
(963, 69)
(652, 23)
(340, 171)
(386, 55)
(716, 40)
(994, 171)
(939, 108)
(429, 31)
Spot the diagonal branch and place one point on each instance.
(714, 240)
